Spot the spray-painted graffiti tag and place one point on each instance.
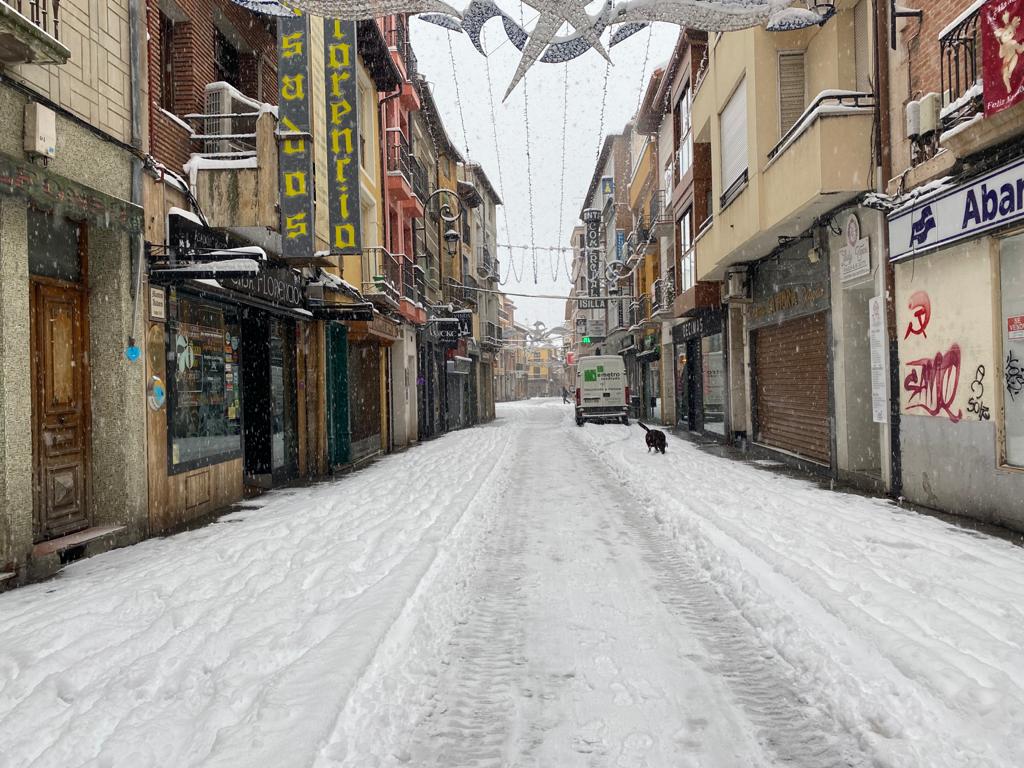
(921, 309)
(975, 404)
(933, 383)
(1014, 376)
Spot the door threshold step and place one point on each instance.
(75, 539)
(6, 576)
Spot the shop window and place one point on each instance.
(54, 247)
(1012, 287)
(204, 383)
(713, 384)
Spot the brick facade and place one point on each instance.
(194, 68)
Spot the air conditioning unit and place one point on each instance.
(232, 115)
(737, 287)
(913, 120)
(931, 107)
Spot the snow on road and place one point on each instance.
(529, 594)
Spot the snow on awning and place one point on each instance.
(265, 7)
(214, 269)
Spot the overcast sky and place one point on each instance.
(543, 90)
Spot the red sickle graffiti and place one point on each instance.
(921, 308)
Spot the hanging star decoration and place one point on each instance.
(544, 43)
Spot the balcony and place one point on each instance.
(403, 169)
(966, 129)
(402, 54)
(233, 168)
(30, 33)
(638, 313)
(485, 263)
(471, 291)
(382, 277)
(658, 216)
(662, 297)
(492, 337)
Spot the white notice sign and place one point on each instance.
(855, 260)
(879, 390)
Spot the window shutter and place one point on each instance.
(862, 43)
(792, 89)
(733, 126)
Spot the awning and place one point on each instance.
(265, 7)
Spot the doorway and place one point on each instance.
(59, 370)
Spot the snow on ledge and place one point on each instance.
(957, 129)
(198, 163)
(822, 110)
(968, 12)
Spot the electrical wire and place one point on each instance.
(458, 97)
(529, 157)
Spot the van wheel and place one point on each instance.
(625, 421)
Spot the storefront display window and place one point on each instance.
(1012, 288)
(713, 372)
(205, 382)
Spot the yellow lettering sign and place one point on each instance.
(340, 165)
(292, 146)
(295, 184)
(292, 88)
(296, 226)
(344, 236)
(291, 45)
(336, 141)
(337, 78)
(338, 110)
(339, 55)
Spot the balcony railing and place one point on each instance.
(382, 274)
(32, 35)
(484, 261)
(398, 39)
(399, 154)
(851, 99)
(420, 285)
(420, 185)
(657, 210)
(638, 312)
(960, 62)
(662, 296)
(408, 279)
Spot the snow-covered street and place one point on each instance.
(529, 594)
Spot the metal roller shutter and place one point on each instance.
(791, 369)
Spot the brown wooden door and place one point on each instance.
(791, 370)
(60, 408)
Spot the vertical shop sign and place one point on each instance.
(879, 395)
(295, 147)
(1002, 43)
(342, 132)
(592, 249)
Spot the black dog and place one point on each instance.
(655, 438)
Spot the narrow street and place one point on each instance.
(529, 594)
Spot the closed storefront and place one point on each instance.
(791, 394)
(700, 374)
(788, 323)
(364, 386)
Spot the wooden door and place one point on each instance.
(60, 408)
(792, 396)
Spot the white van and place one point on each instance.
(602, 393)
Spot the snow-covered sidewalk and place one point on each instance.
(909, 631)
(236, 644)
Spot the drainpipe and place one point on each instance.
(137, 38)
(883, 153)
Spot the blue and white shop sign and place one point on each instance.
(953, 213)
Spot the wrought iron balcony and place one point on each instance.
(662, 296)
(484, 262)
(398, 39)
(30, 33)
(960, 64)
(638, 312)
(382, 276)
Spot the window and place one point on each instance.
(684, 144)
(733, 136)
(204, 382)
(167, 88)
(225, 60)
(686, 255)
(1012, 330)
(792, 90)
(54, 247)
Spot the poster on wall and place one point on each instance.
(1002, 43)
(879, 394)
(295, 148)
(342, 135)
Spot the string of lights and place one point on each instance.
(561, 192)
(529, 158)
(458, 97)
(643, 69)
(497, 152)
